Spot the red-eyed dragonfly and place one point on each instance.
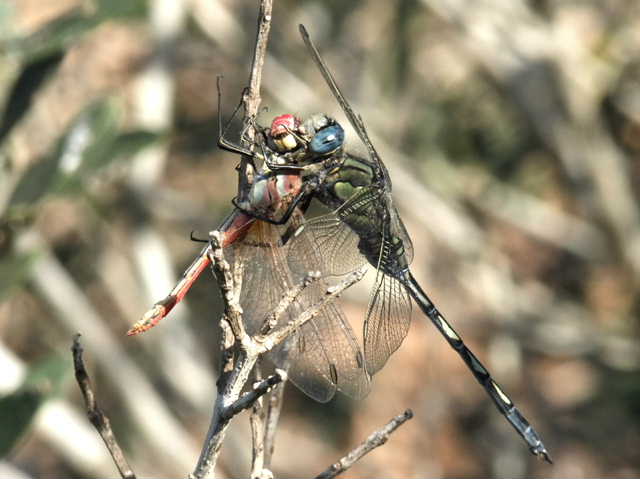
(323, 355)
(363, 226)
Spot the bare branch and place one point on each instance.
(251, 97)
(287, 299)
(257, 423)
(225, 279)
(259, 390)
(97, 417)
(271, 421)
(271, 340)
(248, 350)
(378, 438)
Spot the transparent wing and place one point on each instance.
(354, 118)
(323, 354)
(329, 330)
(333, 242)
(387, 321)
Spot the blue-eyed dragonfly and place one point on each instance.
(364, 226)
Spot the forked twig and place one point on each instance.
(378, 438)
(248, 350)
(97, 417)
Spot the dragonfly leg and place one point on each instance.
(223, 143)
(482, 375)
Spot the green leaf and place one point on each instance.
(48, 375)
(91, 143)
(30, 80)
(17, 411)
(45, 176)
(109, 149)
(37, 181)
(130, 143)
(103, 122)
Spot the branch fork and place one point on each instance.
(247, 349)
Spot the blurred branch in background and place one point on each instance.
(510, 130)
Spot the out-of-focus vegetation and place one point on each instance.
(512, 133)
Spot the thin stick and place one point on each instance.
(287, 300)
(97, 417)
(378, 438)
(229, 401)
(251, 98)
(276, 399)
(257, 423)
(259, 390)
(269, 341)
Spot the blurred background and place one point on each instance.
(511, 130)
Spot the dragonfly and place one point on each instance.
(364, 226)
(323, 355)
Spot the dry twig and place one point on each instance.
(248, 350)
(377, 438)
(97, 417)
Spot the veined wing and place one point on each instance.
(358, 231)
(387, 321)
(323, 353)
(335, 235)
(354, 118)
(334, 242)
(388, 249)
(330, 329)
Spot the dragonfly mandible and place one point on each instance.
(364, 226)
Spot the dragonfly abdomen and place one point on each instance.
(482, 375)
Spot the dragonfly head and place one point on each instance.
(282, 132)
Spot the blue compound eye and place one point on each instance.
(327, 140)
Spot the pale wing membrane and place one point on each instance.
(334, 243)
(387, 322)
(389, 313)
(326, 352)
(322, 354)
(329, 329)
(354, 118)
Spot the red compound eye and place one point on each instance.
(283, 123)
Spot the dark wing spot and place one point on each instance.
(334, 373)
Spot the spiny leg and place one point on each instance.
(223, 143)
(482, 375)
